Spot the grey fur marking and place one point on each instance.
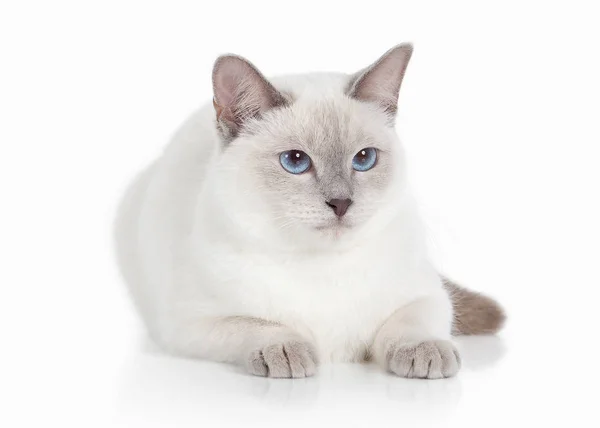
(474, 313)
(294, 359)
(241, 93)
(427, 360)
(380, 82)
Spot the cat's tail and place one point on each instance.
(474, 313)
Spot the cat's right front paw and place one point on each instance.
(289, 359)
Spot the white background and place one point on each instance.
(499, 112)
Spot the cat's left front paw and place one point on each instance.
(434, 359)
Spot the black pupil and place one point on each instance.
(362, 156)
(296, 156)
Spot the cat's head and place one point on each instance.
(310, 160)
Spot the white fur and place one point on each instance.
(195, 248)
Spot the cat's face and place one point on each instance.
(312, 167)
(322, 168)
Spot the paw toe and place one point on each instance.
(428, 363)
(401, 360)
(300, 359)
(277, 361)
(256, 364)
(450, 359)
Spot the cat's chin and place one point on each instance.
(334, 229)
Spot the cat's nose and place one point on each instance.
(339, 206)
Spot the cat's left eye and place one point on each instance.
(365, 159)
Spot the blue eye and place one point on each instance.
(295, 161)
(365, 159)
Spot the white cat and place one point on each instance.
(276, 231)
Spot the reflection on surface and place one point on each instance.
(479, 352)
(157, 383)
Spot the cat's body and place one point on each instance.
(230, 258)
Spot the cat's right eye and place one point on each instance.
(295, 161)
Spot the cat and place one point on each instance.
(276, 231)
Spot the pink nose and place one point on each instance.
(339, 206)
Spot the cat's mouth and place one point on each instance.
(337, 226)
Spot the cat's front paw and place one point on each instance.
(434, 359)
(288, 359)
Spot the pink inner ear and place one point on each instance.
(237, 87)
(226, 94)
(227, 80)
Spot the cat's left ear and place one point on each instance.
(380, 82)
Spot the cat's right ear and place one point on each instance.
(241, 93)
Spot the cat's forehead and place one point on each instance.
(325, 125)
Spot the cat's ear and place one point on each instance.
(380, 82)
(241, 92)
